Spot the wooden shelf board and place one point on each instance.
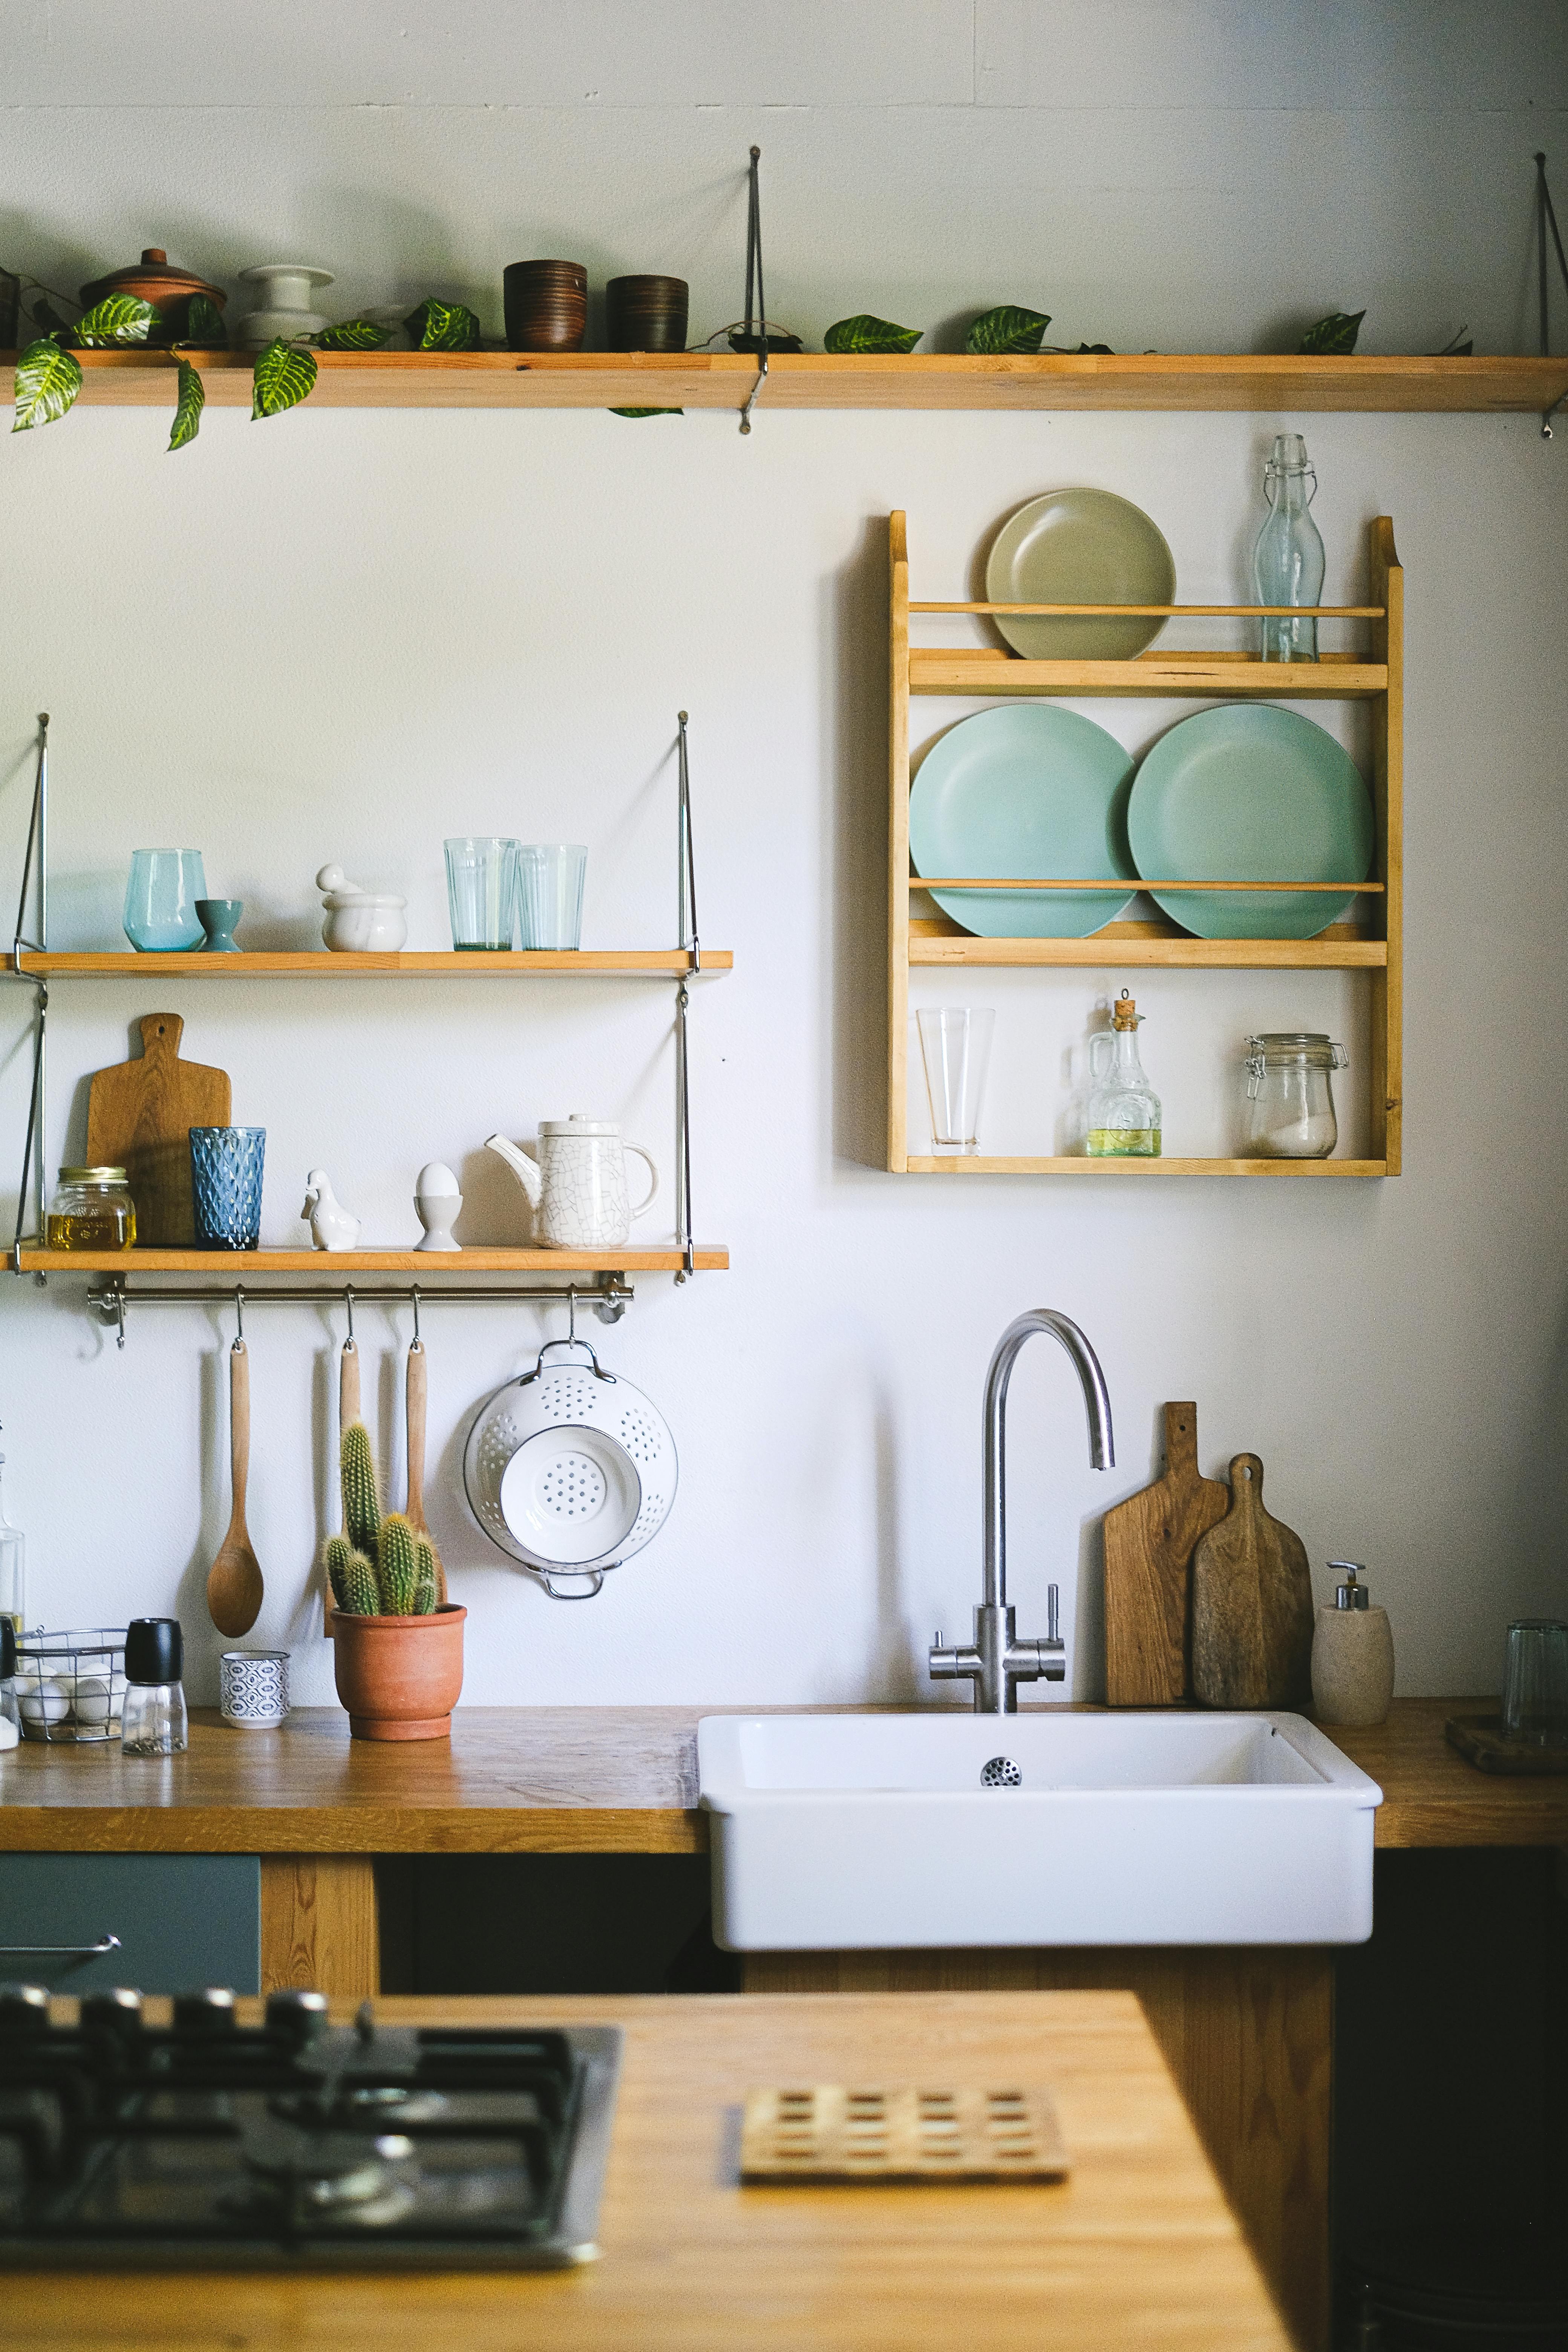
(336, 1268)
(979, 1166)
(318, 964)
(1208, 955)
(1267, 382)
(980, 670)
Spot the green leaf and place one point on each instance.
(204, 324)
(1008, 330)
(189, 404)
(284, 377)
(865, 333)
(47, 381)
(118, 318)
(353, 335)
(647, 412)
(444, 327)
(1335, 335)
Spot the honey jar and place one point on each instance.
(91, 1209)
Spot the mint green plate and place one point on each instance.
(1248, 793)
(1029, 791)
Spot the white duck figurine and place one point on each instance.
(332, 1227)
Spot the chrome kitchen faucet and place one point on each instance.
(997, 1662)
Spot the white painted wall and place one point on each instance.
(350, 634)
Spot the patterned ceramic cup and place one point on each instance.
(253, 1688)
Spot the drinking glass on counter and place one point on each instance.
(1535, 1683)
(549, 878)
(481, 887)
(160, 901)
(955, 1047)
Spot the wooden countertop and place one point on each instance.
(567, 1780)
(1137, 2247)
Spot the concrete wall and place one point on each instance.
(347, 635)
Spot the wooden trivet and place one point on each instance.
(832, 2133)
(1480, 1740)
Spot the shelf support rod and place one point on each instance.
(33, 1152)
(1546, 218)
(686, 856)
(683, 1136)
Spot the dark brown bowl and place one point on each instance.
(646, 314)
(151, 279)
(546, 304)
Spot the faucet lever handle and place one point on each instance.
(1053, 1613)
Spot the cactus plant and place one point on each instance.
(360, 1587)
(398, 1566)
(425, 1590)
(362, 1504)
(337, 1551)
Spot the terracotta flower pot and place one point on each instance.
(399, 1678)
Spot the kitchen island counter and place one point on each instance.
(1137, 2247)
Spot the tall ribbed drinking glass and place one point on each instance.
(549, 878)
(481, 887)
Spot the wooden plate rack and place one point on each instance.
(1375, 677)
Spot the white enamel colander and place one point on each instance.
(569, 1470)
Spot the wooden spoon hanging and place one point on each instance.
(416, 1400)
(234, 1580)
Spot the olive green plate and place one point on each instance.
(1248, 793)
(1079, 547)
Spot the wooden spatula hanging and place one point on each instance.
(1252, 1604)
(416, 1398)
(234, 1580)
(1149, 1544)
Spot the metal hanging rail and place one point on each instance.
(609, 1299)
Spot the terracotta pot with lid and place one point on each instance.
(152, 279)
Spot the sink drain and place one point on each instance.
(1001, 1773)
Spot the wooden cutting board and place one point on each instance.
(1252, 1604)
(139, 1117)
(1149, 1544)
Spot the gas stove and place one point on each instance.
(295, 2144)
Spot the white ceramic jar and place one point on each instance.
(283, 297)
(578, 1186)
(360, 922)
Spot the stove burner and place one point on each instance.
(295, 2142)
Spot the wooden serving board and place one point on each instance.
(1149, 1544)
(1252, 1604)
(830, 2132)
(139, 1117)
(1480, 1740)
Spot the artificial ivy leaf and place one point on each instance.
(353, 335)
(865, 333)
(189, 402)
(1335, 336)
(204, 324)
(284, 377)
(1006, 330)
(47, 381)
(118, 318)
(647, 412)
(444, 327)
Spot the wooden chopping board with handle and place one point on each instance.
(1149, 1544)
(139, 1117)
(1252, 1604)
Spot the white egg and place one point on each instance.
(91, 1700)
(48, 1700)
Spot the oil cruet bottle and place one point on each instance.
(12, 1566)
(1123, 1109)
(1288, 563)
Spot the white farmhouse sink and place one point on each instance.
(836, 1832)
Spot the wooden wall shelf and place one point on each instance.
(1374, 947)
(1269, 382)
(336, 1268)
(318, 964)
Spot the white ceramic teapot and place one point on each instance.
(577, 1187)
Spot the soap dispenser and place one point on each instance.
(1352, 1654)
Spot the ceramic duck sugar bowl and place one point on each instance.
(577, 1187)
(360, 922)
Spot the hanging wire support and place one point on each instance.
(33, 1178)
(1545, 220)
(33, 1148)
(683, 1137)
(754, 265)
(37, 837)
(687, 859)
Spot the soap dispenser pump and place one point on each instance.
(1352, 1654)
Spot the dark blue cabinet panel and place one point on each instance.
(184, 1920)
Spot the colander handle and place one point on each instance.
(599, 1372)
(547, 1578)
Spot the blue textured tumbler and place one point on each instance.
(225, 1178)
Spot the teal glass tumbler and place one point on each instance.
(160, 897)
(549, 878)
(225, 1180)
(1535, 1683)
(482, 888)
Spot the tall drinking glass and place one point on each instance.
(160, 901)
(482, 885)
(1535, 1683)
(225, 1182)
(549, 878)
(956, 1047)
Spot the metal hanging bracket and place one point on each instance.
(112, 1297)
(1545, 223)
(754, 265)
